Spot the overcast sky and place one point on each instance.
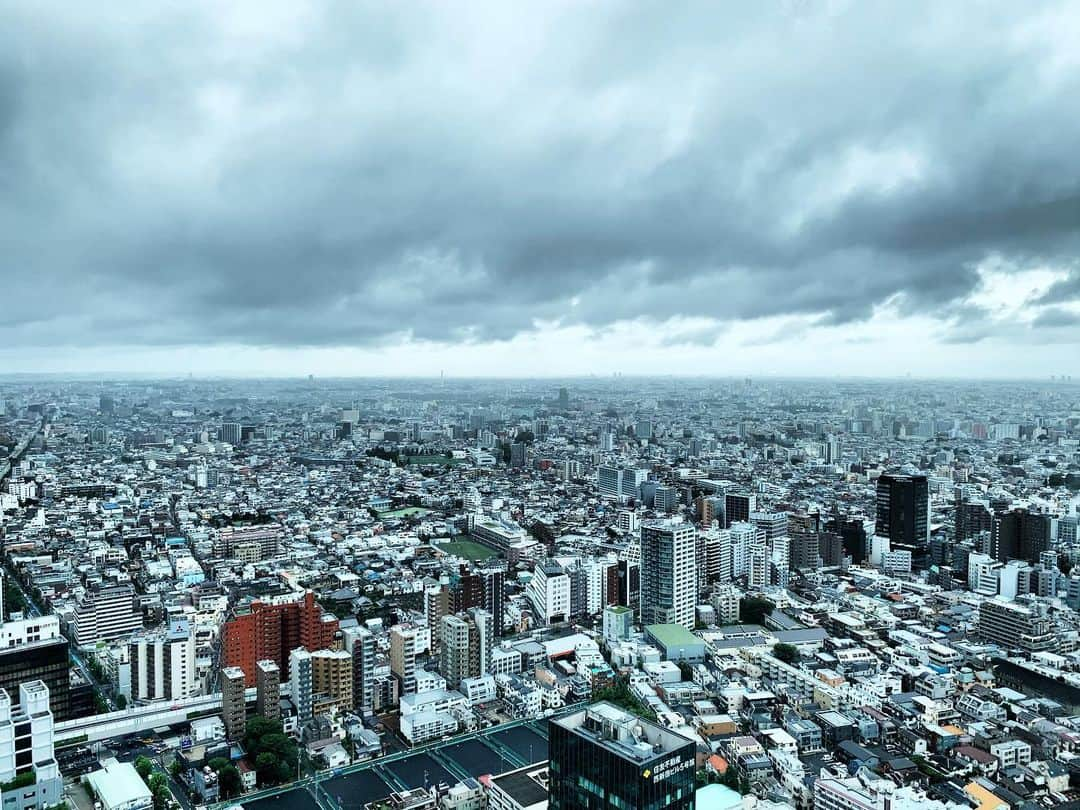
(504, 188)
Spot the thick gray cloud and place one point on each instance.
(205, 173)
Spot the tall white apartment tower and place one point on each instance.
(668, 573)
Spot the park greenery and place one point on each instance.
(274, 753)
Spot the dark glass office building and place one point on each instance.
(40, 661)
(604, 757)
(853, 536)
(1019, 535)
(903, 515)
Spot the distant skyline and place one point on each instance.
(540, 190)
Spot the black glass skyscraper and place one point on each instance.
(903, 515)
(603, 757)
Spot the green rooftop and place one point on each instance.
(672, 636)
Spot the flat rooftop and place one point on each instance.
(624, 734)
(523, 786)
(672, 636)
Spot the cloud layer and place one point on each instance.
(362, 174)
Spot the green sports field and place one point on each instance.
(468, 549)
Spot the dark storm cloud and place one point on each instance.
(1068, 289)
(1057, 317)
(358, 173)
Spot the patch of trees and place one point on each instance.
(385, 455)
(754, 609)
(618, 692)
(157, 782)
(274, 753)
(229, 782)
(788, 653)
(542, 533)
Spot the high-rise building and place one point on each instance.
(628, 578)
(725, 601)
(1016, 627)
(494, 596)
(738, 506)
(27, 750)
(231, 433)
(271, 630)
(903, 515)
(465, 651)
(607, 441)
(607, 481)
(549, 593)
(331, 681)
(666, 499)
(438, 602)
(1068, 530)
(1019, 535)
(744, 538)
(106, 614)
(618, 623)
(360, 644)
(668, 573)
(403, 657)
(483, 588)
(805, 551)
(268, 690)
(620, 483)
(773, 524)
(630, 481)
(830, 450)
(453, 649)
(564, 399)
(830, 550)
(972, 519)
(163, 662)
(300, 684)
(714, 557)
(233, 703)
(780, 561)
(757, 567)
(604, 757)
(712, 508)
(854, 534)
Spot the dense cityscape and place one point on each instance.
(334, 594)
